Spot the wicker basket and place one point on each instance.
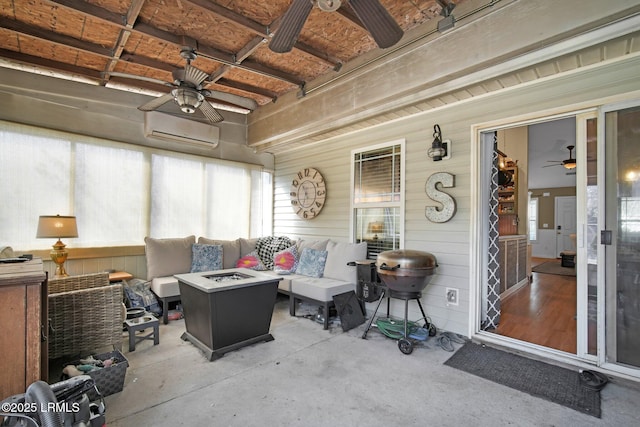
(109, 380)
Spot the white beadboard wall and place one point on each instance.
(450, 242)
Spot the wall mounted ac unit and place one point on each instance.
(171, 128)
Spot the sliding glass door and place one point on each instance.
(620, 235)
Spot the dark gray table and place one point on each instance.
(226, 310)
(147, 320)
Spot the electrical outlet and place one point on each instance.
(452, 296)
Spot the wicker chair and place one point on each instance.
(85, 315)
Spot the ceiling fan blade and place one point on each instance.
(231, 98)
(156, 102)
(210, 113)
(383, 28)
(194, 75)
(290, 26)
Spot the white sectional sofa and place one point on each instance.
(320, 272)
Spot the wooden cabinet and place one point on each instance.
(513, 263)
(508, 204)
(23, 314)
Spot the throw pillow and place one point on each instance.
(230, 250)
(312, 262)
(267, 247)
(251, 261)
(339, 254)
(286, 262)
(206, 257)
(166, 257)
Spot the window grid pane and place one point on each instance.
(377, 198)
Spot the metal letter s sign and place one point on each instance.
(448, 209)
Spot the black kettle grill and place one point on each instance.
(402, 274)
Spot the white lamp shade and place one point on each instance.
(56, 226)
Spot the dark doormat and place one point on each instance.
(539, 379)
(554, 267)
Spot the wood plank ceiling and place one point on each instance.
(113, 41)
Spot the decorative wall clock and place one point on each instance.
(308, 193)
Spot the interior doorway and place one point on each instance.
(565, 222)
(540, 307)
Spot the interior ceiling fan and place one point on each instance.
(188, 91)
(569, 163)
(375, 18)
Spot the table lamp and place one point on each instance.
(375, 228)
(57, 226)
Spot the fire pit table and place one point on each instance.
(226, 310)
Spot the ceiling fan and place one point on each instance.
(569, 163)
(375, 18)
(188, 91)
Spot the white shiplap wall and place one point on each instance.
(450, 242)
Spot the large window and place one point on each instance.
(121, 193)
(378, 197)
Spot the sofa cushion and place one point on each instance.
(286, 261)
(230, 250)
(320, 245)
(165, 286)
(247, 245)
(338, 255)
(251, 261)
(206, 257)
(312, 262)
(166, 257)
(268, 246)
(320, 289)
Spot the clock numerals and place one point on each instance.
(308, 193)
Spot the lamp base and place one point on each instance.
(59, 256)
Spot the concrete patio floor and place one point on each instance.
(311, 377)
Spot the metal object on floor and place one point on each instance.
(404, 274)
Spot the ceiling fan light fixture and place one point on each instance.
(188, 99)
(329, 5)
(569, 165)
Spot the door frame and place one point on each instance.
(606, 274)
(479, 236)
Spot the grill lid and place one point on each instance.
(406, 259)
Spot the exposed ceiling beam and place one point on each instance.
(30, 60)
(131, 17)
(241, 20)
(208, 51)
(50, 36)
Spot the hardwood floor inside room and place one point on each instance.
(543, 312)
